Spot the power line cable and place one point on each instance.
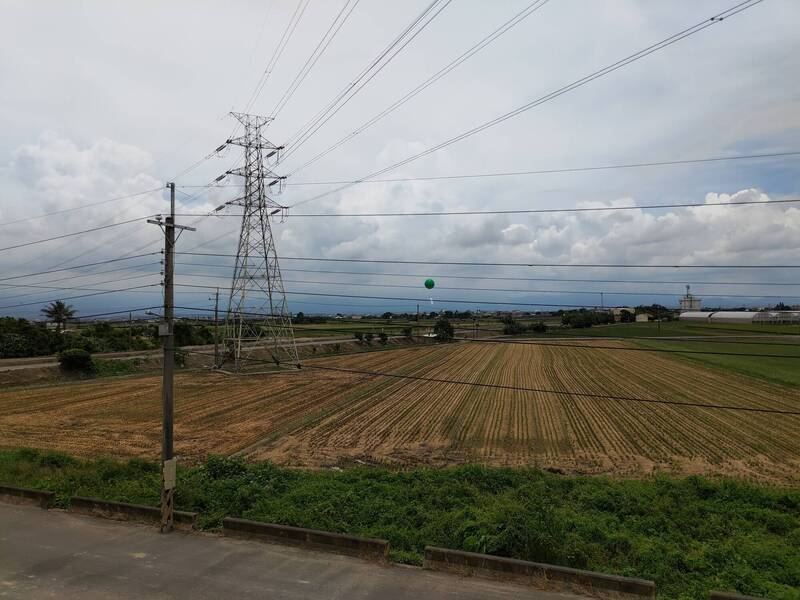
(718, 18)
(561, 344)
(445, 213)
(276, 55)
(378, 327)
(115, 312)
(49, 288)
(506, 26)
(513, 290)
(663, 163)
(83, 295)
(488, 277)
(73, 277)
(101, 262)
(571, 394)
(305, 131)
(315, 55)
(355, 91)
(508, 264)
(421, 300)
(75, 208)
(74, 233)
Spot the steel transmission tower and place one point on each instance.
(258, 320)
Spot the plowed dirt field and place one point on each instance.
(318, 418)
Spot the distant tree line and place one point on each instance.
(583, 318)
(513, 327)
(23, 338)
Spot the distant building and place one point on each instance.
(690, 302)
(742, 316)
(643, 317)
(617, 312)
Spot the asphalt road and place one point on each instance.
(54, 554)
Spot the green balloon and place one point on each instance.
(429, 283)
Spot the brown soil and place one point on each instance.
(319, 418)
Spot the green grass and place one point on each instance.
(784, 371)
(690, 535)
(117, 366)
(679, 328)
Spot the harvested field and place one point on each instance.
(317, 418)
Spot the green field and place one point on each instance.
(681, 328)
(689, 535)
(730, 338)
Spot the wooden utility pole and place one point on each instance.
(167, 398)
(166, 331)
(216, 328)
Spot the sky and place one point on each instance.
(100, 101)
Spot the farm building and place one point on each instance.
(690, 302)
(617, 312)
(743, 317)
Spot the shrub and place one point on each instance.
(76, 360)
(408, 332)
(538, 327)
(383, 338)
(443, 330)
(359, 336)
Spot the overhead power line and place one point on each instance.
(127, 289)
(74, 277)
(508, 25)
(528, 211)
(718, 18)
(74, 267)
(116, 312)
(276, 55)
(422, 300)
(49, 288)
(81, 207)
(571, 394)
(370, 71)
(663, 163)
(395, 329)
(497, 278)
(512, 290)
(509, 264)
(315, 55)
(74, 233)
(562, 344)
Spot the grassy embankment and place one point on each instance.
(689, 535)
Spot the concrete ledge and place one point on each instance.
(18, 495)
(371, 549)
(123, 511)
(715, 595)
(543, 576)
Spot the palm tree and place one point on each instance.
(58, 313)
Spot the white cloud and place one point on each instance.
(127, 116)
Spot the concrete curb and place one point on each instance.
(543, 576)
(18, 495)
(122, 511)
(716, 595)
(371, 549)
